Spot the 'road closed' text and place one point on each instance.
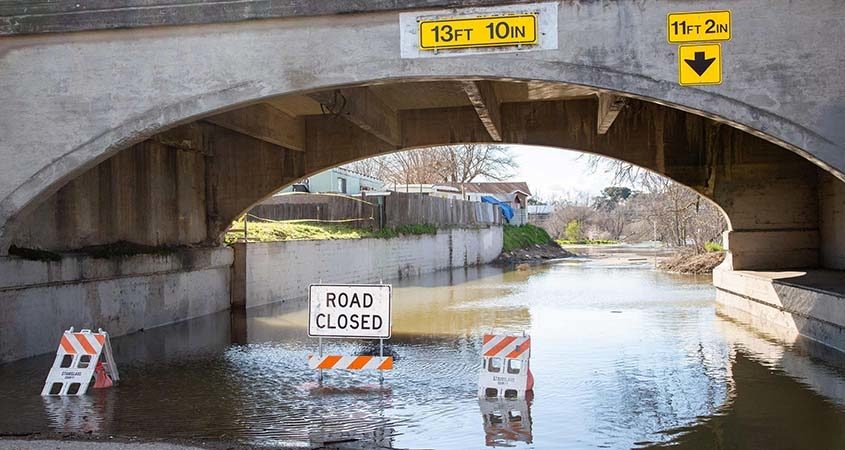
(354, 311)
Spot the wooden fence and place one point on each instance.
(393, 210)
(353, 211)
(408, 209)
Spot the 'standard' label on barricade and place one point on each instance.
(349, 311)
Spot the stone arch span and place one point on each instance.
(248, 152)
(75, 100)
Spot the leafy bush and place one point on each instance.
(573, 231)
(713, 247)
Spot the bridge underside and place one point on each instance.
(184, 186)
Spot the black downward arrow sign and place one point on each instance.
(700, 64)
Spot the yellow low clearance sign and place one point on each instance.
(698, 26)
(699, 64)
(491, 31)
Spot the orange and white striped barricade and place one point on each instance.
(363, 362)
(505, 370)
(83, 358)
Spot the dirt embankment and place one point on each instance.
(692, 263)
(533, 253)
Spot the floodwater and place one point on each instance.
(623, 357)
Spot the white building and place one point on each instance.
(434, 190)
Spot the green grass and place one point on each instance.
(587, 242)
(523, 236)
(316, 231)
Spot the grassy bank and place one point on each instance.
(316, 231)
(516, 237)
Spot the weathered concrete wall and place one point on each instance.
(124, 295)
(148, 194)
(786, 304)
(832, 230)
(283, 270)
(178, 189)
(39, 17)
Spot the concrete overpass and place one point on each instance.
(160, 122)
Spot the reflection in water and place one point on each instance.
(446, 304)
(622, 357)
(83, 414)
(767, 410)
(506, 421)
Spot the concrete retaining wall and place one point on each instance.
(785, 305)
(39, 300)
(284, 270)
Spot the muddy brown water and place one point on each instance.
(623, 357)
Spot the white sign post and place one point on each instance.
(349, 311)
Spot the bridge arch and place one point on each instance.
(108, 106)
(250, 151)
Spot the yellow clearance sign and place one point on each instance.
(698, 26)
(700, 64)
(492, 31)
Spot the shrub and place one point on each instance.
(573, 231)
(713, 247)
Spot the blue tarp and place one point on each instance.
(505, 208)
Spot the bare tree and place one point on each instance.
(373, 167)
(657, 209)
(447, 164)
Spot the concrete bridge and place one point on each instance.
(159, 123)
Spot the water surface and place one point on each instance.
(623, 357)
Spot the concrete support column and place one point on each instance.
(772, 249)
(783, 214)
(239, 284)
(832, 222)
(772, 202)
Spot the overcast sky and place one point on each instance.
(552, 172)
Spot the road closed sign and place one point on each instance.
(349, 311)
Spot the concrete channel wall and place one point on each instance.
(122, 295)
(271, 272)
(785, 305)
